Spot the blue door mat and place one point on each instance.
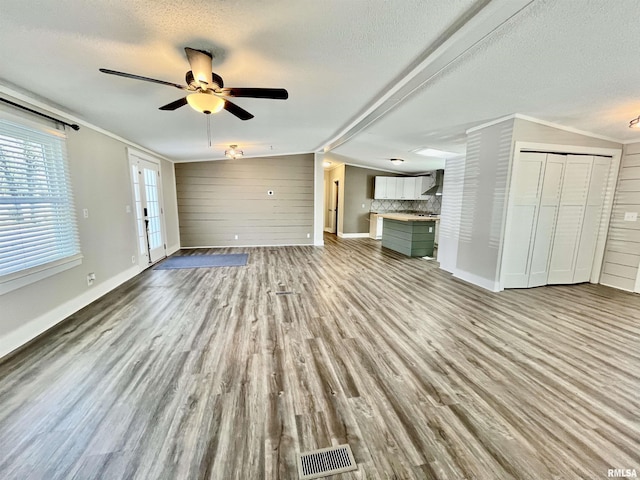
(203, 261)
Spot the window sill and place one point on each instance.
(23, 278)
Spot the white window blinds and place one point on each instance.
(37, 218)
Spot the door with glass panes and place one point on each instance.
(148, 208)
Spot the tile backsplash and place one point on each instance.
(432, 205)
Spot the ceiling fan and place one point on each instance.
(207, 92)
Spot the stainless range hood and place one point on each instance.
(436, 189)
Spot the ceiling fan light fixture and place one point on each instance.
(397, 161)
(635, 123)
(205, 102)
(233, 152)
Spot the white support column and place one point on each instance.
(318, 199)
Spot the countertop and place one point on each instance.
(410, 217)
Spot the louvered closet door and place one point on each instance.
(547, 217)
(592, 219)
(528, 174)
(575, 189)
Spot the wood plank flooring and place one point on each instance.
(217, 374)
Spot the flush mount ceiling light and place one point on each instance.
(397, 161)
(205, 102)
(326, 164)
(233, 152)
(635, 123)
(434, 152)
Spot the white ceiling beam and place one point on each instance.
(472, 28)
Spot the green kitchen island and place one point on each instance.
(409, 234)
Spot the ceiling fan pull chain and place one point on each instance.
(209, 128)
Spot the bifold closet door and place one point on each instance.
(547, 217)
(571, 212)
(526, 187)
(592, 219)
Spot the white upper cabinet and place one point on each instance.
(392, 187)
(401, 188)
(408, 188)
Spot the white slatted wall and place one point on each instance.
(622, 253)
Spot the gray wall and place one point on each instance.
(358, 190)
(101, 182)
(220, 199)
(622, 253)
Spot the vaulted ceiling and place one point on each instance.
(367, 79)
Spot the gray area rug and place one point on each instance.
(204, 261)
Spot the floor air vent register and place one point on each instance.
(325, 462)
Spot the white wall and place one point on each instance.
(450, 214)
(100, 177)
(486, 170)
(622, 253)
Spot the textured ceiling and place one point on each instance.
(573, 62)
(332, 56)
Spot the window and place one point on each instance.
(38, 229)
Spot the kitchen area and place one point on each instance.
(405, 213)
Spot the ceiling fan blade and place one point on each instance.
(274, 93)
(201, 66)
(144, 79)
(175, 105)
(239, 112)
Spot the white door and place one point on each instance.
(526, 187)
(592, 218)
(547, 216)
(148, 197)
(575, 188)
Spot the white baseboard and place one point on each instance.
(353, 235)
(30, 330)
(172, 249)
(477, 280)
(328, 230)
(250, 246)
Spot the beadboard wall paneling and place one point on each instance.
(218, 200)
(622, 254)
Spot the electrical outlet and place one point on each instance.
(128, 209)
(430, 229)
(236, 237)
(363, 206)
(85, 212)
(630, 216)
(133, 259)
(308, 235)
(91, 277)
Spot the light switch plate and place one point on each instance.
(630, 216)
